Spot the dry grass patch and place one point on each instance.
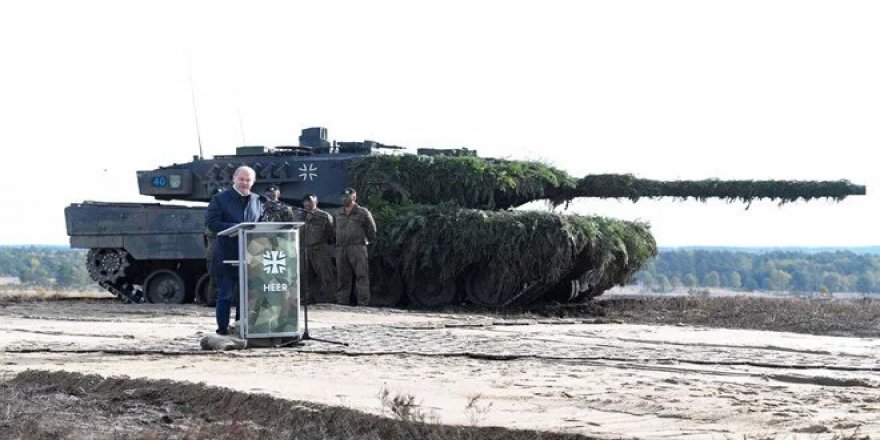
(41, 294)
(859, 318)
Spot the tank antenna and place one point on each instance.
(192, 91)
(240, 123)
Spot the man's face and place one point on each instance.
(273, 195)
(309, 205)
(348, 200)
(243, 181)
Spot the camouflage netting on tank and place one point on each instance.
(518, 255)
(476, 182)
(471, 182)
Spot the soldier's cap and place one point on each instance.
(272, 188)
(348, 192)
(310, 196)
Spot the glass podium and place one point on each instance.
(269, 280)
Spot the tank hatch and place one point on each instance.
(251, 150)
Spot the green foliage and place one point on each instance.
(439, 243)
(780, 271)
(712, 279)
(44, 266)
(778, 280)
(785, 191)
(482, 183)
(734, 280)
(834, 281)
(466, 181)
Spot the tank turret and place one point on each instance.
(448, 234)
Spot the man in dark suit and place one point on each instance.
(226, 210)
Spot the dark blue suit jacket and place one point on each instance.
(224, 212)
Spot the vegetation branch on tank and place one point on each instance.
(476, 182)
(466, 181)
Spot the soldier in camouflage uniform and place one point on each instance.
(355, 228)
(317, 235)
(274, 210)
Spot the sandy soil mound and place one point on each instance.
(42, 404)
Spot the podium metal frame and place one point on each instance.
(243, 231)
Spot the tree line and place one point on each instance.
(45, 266)
(793, 271)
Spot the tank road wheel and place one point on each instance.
(582, 288)
(206, 292)
(164, 286)
(107, 265)
(480, 290)
(432, 294)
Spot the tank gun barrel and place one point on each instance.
(475, 182)
(382, 146)
(784, 191)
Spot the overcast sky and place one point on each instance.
(90, 92)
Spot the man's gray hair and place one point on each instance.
(244, 168)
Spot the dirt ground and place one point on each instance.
(603, 378)
(61, 405)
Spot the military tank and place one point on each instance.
(448, 233)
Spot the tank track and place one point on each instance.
(110, 267)
(124, 291)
